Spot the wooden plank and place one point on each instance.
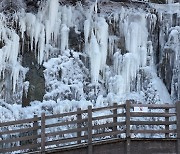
(35, 132)
(178, 125)
(128, 115)
(43, 138)
(16, 139)
(24, 147)
(128, 135)
(90, 150)
(66, 140)
(66, 123)
(22, 130)
(153, 122)
(24, 121)
(112, 133)
(155, 106)
(152, 131)
(109, 125)
(75, 130)
(79, 118)
(102, 108)
(121, 115)
(108, 108)
(151, 114)
(64, 114)
(128, 146)
(167, 126)
(121, 106)
(115, 118)
(104, 117)
(109, 116)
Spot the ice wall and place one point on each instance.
(124, 51)
(135, 33)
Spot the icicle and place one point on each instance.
(22, 28)
(53, 13)
(102, 38)
(150, 56)
(30, 25)
(111, 44)
(64, 37)
(95, 57)
(96, 32)
(87, 29)
(117, 63)
(9, 55)
(41, 47)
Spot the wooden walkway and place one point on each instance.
(125, 122)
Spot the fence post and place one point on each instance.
(90, 130)
(79, 117)
(35, 131)
(167, 125)
(128, 137)
(43, 133)
(178, 125)
(115, 118)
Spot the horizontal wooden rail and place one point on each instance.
(66, 131)
(153, 122)
(152, 114)
(22, 130)
(111, 133)
(24, 138)
(64, 114)
(108, 116)
(110, 125)
(155, 106)
(121, 106)
(24, 121)
(22, 147)
(66, 140)
(66, 123)
(153, 131)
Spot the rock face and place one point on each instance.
(169, 66)
(169, 52)
(35, 78)
(101, 52)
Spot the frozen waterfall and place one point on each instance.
(99, 52)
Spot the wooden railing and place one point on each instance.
(124, 121)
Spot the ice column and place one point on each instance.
(96, 42)
(133, 28)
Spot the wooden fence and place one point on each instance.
(85, 127)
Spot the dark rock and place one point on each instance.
(166, 68)
(76, 40)
(35, 77)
